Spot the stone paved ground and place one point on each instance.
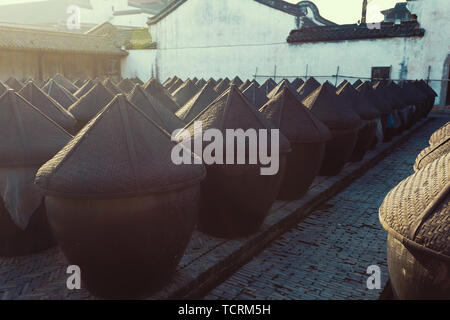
(326, 255)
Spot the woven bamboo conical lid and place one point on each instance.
(174, 86)
(432, 153)
(295, 121)
(232, 110)
(416, 211)
(62, 81)
(307, 88)
(357, 83)
(389, 94)
(284, 83)
(297, 83)
(59, 93)
(126, 85)
(237, 81)
(3, 88)
(364, 109)
(441, 134)
(27, 135)
(48, 106)
(200, 83)
(414, 95)
(185, 92)
(111, 86)
(245, 85)
(154, 110)
(197, 103)
(268, 86)
(222, 86)
(255, 95)
(85, 88)
(91, 103)
(159, 93)
(14, 84)
(332, 111)
(366, 90)
(167, 82)
(120, 153)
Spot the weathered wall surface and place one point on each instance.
(44, 65)
(139, 64)
(218, 38)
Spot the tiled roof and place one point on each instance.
(40, 40)
(297, 10)
(356, 32)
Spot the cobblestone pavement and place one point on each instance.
(326, 255)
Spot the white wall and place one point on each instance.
(218, 38)
(139, 64)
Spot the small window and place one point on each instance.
(381, 73)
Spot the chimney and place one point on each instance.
(364, 12)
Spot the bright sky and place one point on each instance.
(339, 11)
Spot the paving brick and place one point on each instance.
(326, 255)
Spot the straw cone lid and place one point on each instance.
(308, 87)
(388, 93)
(158, 92)
(59, 93)
(417, 209)
(200, 83)
(85, 88)
(174, 86)
(79, 83)
(357, 83)
(3, 88)
(91, 103)
(185, 92)
(48, 106)
(268, 85)
(222, 86)
(62, 81)
(297, 123)
(232, 110)
(197, 103)
(427, 88)
(126, 85)
(154, 110)
(237, 81)
(168, 81)
(111, 86)
(120, 153)
(27, 135)
(244, 86)
(326, 105)
(255, 95)
(413, 93)
(279, 88)
(13, 83)
(297, 83)
(366, 90)
(343, 83)
(441, 134)
(364, 109)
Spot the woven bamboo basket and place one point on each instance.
(432, 153)
(416, 215)
(440, 134)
